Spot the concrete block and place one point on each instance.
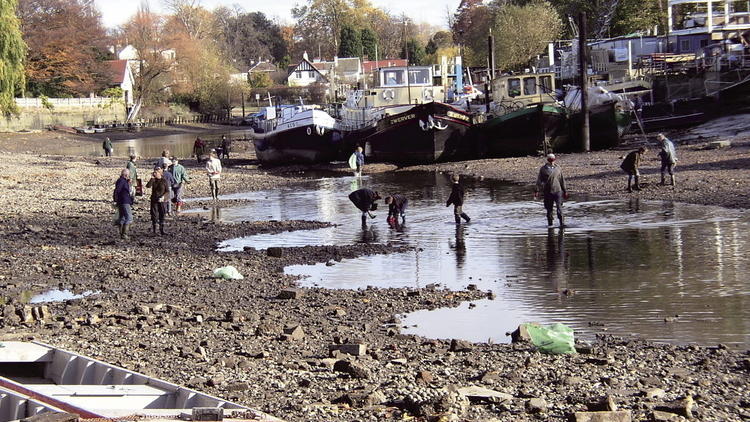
(350, 349)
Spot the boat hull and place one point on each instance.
(426, 133)
(607, 125)
(300, 145)
(529, 131)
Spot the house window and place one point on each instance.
(311, 74)
(704, 43)
(298, 74)
(514, 87)
(684, 46)
(529, 86)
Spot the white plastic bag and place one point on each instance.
(228, 273)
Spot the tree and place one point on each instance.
(440, 39)
(351, 43)
(415, 52)
(319, 24)
(67, 47)
(146, 33)
(12, 54)
(638, 15)
(521, 32)
(259, 80)
(246, 37)
(369, 43)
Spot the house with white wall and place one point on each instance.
(121, 76)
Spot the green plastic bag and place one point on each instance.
(228, 273)
(553, 339)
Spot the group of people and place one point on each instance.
(167, 184)
(366, 201)
(550, 183)
(667, 156)
(222, 152)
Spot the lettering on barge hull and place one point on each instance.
(402, 119)
(459, 116)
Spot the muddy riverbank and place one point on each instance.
(259, 343)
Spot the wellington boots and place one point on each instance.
(630, 188)
(458, 219)
(122, 231)
(153, 228)
(161, 230)
(549, 222)
(562, 221)
(465, 217)
(364, 220)
(672, 177)
(662, 179)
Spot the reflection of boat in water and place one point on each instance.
(405, 119)
(525, 119)
(298, 134)
(39, 379)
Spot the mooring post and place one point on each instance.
(583, 62)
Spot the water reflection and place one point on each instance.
(180, 145)
(57, 295)
(621, 265)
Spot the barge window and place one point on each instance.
(419, 76)
(529, 86)
(394, 77)
(546, 84)
(514, 87)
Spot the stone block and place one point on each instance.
(484, 395)
(290, 294)
(275, 252)
(719, 144)
(521, 333)
(618, 416)
(461, 346)
(354, 349)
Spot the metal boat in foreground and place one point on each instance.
(36, 378)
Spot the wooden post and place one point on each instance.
(242, 96)
(491, 55)
(583, 62)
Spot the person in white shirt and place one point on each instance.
(213, 168)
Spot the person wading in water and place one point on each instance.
(552, 185)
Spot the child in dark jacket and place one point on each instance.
(397, 205)
(457, 199)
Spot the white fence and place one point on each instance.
(65, 102)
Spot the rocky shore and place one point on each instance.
(322, 355)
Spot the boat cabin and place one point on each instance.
(399, 86)
(527, 89)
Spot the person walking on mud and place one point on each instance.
(226, 145)
(123, 198)
(134, 179)
(668, 157)
(551, 183)
(181, 178)
(198, 146)
(159, 192)
(213, 169)
(397, 205)
(169, 178)
(457, 199)
(360, 156)
(630, 165)
(107, 146)
(364, 200)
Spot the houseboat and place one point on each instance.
(297, 134)
(405, 119)
(525, 117)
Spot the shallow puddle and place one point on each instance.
(58, 295)
(622, 266)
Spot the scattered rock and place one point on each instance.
(618, 416)
(461, 346)
(275, 252)
(354, 369)
(484, 395)
(536, 405)
(357, 349)
(290, 294)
